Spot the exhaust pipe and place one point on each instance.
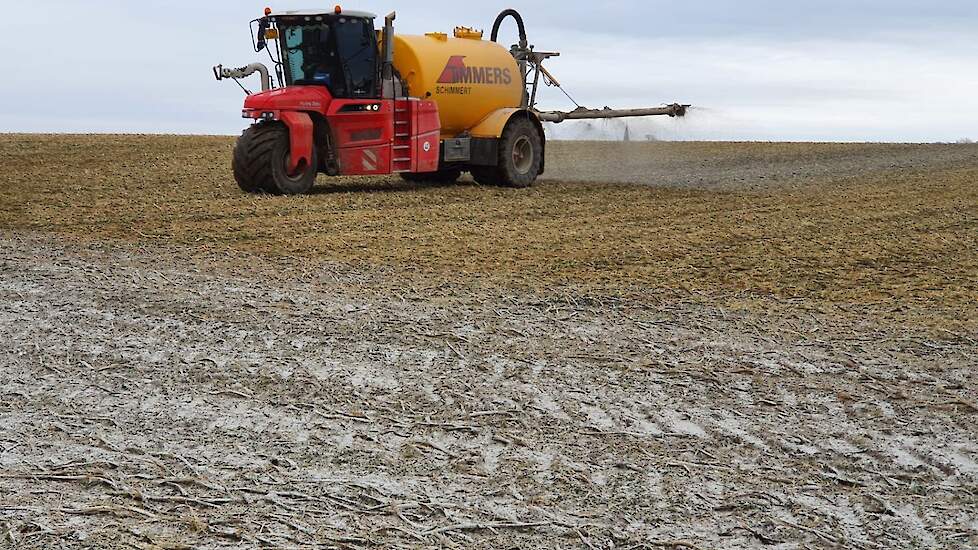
(674, 110)
(387, 72)
(244, 72)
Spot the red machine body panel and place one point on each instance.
(369, 136)
(293, 98)
(417, 136)
(363, 133)
(300, 140)
(427, 136)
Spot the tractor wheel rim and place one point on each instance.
(523, 154)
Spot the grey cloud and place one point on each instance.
(766, 69)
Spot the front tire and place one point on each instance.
(261, 157)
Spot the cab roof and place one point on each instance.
(331, 13)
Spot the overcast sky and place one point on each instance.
(839, 70)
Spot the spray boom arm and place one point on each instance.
(581, 113)
(531, 65)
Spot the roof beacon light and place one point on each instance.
(338, 9)
(268, 11)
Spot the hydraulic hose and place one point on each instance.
(244, 72)
(519, 22)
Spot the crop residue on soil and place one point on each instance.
(888, 229)
(153, 402)
(763, 346)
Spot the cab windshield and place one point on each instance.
(337, 52)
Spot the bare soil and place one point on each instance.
(881, 236)
(761, 364)
(745, 166)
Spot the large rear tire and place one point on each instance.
(520, 157)
(261, 158)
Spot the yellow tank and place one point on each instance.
(469, 78)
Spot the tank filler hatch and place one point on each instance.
(468, 33)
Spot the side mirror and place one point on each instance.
(262, 29)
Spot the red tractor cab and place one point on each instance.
(331, 112)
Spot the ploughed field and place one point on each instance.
(712, 345)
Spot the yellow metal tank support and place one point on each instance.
(469, 78)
